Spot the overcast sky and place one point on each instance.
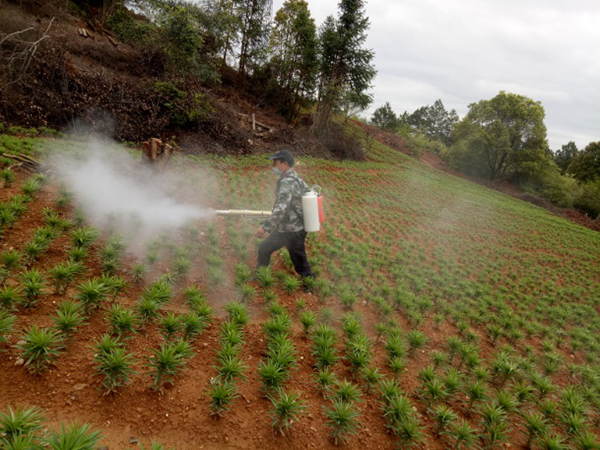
(463, 51)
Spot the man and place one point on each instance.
(286, 223)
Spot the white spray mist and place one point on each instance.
(115, 189)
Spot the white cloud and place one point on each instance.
(464, 51)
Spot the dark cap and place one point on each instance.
(284, 155)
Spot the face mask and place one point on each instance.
(277, 171)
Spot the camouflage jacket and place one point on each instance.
(286, 215)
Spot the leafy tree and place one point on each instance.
(254, 32)
(586, 165)
(223, 25)
(435, 121)
(502, 136)
(353, 103)
(345, 64)
(385, 118)
(565, 155)
(293, 47)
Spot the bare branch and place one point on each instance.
(26, 55)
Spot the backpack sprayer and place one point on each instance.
(312, 210)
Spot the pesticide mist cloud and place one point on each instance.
(117, 191)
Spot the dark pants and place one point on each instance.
(294, 242)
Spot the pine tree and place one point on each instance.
(345, 64)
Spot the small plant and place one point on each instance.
(325, 379)
(69, 316)
(272, 375)
(587, 441)
(137, 272)
(7, 321)
(147, 308)
(372, 376)
(79, 437)
(115, 367)
(32, 283)
(10, 260)
(154, 445)
(552, 441)
(410, 432)
(20, 422)
(443, 416)
(347, 392)
(463, 435)
(193, 324)
(222, 393)
(358, 351)
(10, 296)
(169, 323)
(40, 347)
(83, 237)
(8, 176)
(31, 186)
(286, 410)
(416, 340)
(247, 293)
(343, 420)
(243, 274)
(77, 254)
(63, 274)
(308, 321)
(535, 426)
(238, 313)
(34, 248)
(181, 266)
(231, 366)
(91, 293)
(165, 364)
(105, 344)
(264, 276)
(291, 284)
(122, 320)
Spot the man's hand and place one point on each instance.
(260, 232)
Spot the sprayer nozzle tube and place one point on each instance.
(242, 213)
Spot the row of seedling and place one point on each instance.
(230, 366)
(275, 369)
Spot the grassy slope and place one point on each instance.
(441, 250)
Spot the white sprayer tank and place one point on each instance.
(310, 208)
